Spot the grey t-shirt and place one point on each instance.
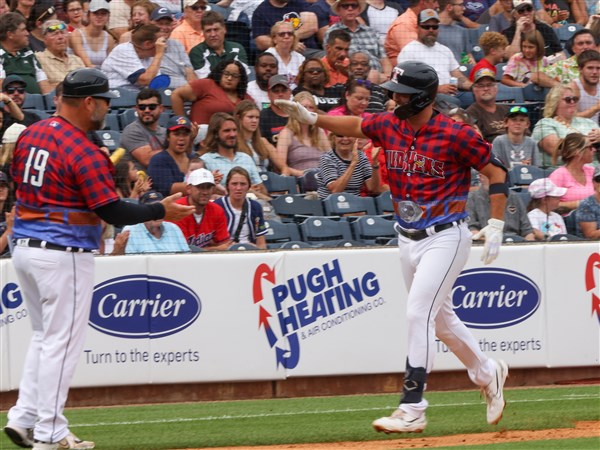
(511, 154)
(136, 135)
(515, 214)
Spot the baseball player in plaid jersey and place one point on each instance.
(429, 158)
(64, 187)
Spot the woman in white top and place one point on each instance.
(284, 41)
(93, 43)
(545, 198)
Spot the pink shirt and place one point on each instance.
(575, 191)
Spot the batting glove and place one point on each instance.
(297, 111)
(493, 239)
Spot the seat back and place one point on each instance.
(368, 229)
(279, 184)
(565, 237)
(243, 246)
(509, 94)
(309, 181)
(34, 101)
(279, 232)
(348, 205)
(521, 174)
(288, 206)
(110, 139)
(384, 203)
(126, 99)
(571, 222)
(325, 232)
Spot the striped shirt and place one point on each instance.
(332, 167)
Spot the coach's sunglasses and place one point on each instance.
(151, 107)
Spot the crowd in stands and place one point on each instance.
(196, 113)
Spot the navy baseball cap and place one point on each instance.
(151, 197)
(177, 122)
(161, 13)
(87, 82)
(12, 79)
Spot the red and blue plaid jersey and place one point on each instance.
(430, 166)
(61, 177)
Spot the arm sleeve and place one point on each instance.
(127, 213)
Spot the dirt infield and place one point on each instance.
(581, 430)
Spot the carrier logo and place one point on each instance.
(309, 303)
(143, 306)
(494, 298)
(592, 270)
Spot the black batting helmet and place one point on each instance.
(87, 83)
(417, 79)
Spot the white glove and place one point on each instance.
(297, 111)
(493, 239)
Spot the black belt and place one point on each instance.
(36, 243)
(419, 235)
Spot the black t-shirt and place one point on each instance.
(551, 42)
(29, 119)
(271, 124)
(330, 98)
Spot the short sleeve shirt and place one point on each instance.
(142, 241)
(212, 227)
(214, 161)
(332, 166)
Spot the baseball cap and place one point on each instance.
(517, 111)
(520, 4)
(187, 3)
(87, 82)
(484, 73)
(150, 197)
(12, 79)
(278, 79)
(428, 14)
(177, 122)
(200, 176)
(3, 178)
(97, 5)
(12, 133)
(161, 13)
(544, 187)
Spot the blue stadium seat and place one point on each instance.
(126, 99)
(509, 94)
(34, 101)
(523, 174)
(243, 246)
(293, 245)
(566, 32)
(289, 206)
(110, 139)
(49, 101)
(344, 204)
(565, 237)
(512, 239)
(279, 233)
(126, 117)
(384, 203)
(279, 184)
(309, 181)
(369, 229)
(325, 232)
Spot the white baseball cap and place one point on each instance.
(200, 176)
(544, 187)
(97, 5)
(12, 133)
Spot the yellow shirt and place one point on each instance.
(56, 68)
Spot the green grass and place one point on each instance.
(322, 419)
(567, 444)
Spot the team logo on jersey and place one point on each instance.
(308, 303)
(592, 280)
(494, 298)
(294, 19)
(143, 306)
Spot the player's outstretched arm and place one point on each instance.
(126, 213)
(175, 211)
(340, 125)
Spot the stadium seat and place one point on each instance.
(49, 101)
(289, 206)
(473, 35)
(534, 93)
(309, 181)
(343, 204)
(164, 118)
(368, 229)
(279, 184)
(565, 237)
(512, 238)
(384, 203)
(571, 222)
(243, 246)
(392, 242)
(126, 117)
(279, 233)
(34, 101)
(523, 195)
(566, 32)
(111, 122)
(521, 175)
(500, 70)
(126, 99)
(110, 139)
(325, 232)
(166, 98)
(509, 94)
(293, 245)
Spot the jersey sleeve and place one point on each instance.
(221, 231)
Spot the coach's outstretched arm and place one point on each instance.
(127, 213)
(340, 125)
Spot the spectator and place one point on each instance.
(206, 55)
(265, 67)
(144, 137)
(404, 29)
(4, 7)
(563, 12)
(250, 141)
(494, 46)
(189, 31)
(325, 17)
(13, 96)
(15, 56)
(134, 64)
(453, 34)
(224, 88)
(514, 147)
(380, 14)
(527, 66)
(22, 7)
(153, 236)
(516, 221)
(42, 10)
(9, 142)
(128, 180)
(245, 220)
(93, 43)
(140, 15)
(284, 41)
(576, 175)
(120, 14)
(6, 215)
(474, 9)
(588, 211)
(363, 38)
(426, 48)
(345, 168)
(503, 19)
(488, 114)
(74, 14)
(359, 70)
(355, 100)
(559, 120)
(336, 60)
(167, 169)
(585, 86)
(207, 227)
(313, 77)
(55, 60)
(175, 63)
(273, 118)
(269, 12)
(567, 70)
(545, 197)
(220, 151)
(300, 146)
(524, 21)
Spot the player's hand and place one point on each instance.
(493, 239)
(175, 211)
(297, 111)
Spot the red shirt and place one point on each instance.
(210, 99)
(482, 64)
(211, 229)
